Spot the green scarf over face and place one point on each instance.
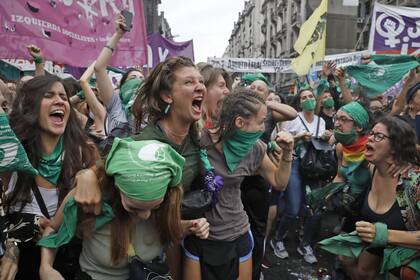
(236, 147)
(143, 170)
(386, 71)
(357, 113)
(128, 93)
(50, 166)
(328, 102)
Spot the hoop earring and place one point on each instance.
(167, 109)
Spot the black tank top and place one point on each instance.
(392, 218)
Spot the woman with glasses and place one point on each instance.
(390, 212)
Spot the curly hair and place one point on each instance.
(403, 140)
(24, 120)
(148, 102)
(243, 103)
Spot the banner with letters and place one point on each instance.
(273, 65)
(161, 48)
(395, 30)
(71, 31)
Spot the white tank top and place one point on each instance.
(50, 197)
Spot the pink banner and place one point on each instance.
(71, 31)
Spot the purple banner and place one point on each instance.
(395, 30)
(160, 48)
(70, 31)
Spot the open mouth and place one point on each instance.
(369, 149)
(196, 104)
(57, 116)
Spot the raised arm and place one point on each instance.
(281, 112)
(278, 175)
(95, 106)
(103, 81)
(400, 100)
(38, 58)
(340, 73)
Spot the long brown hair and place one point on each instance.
(24, 120)
(148, 102)
(167, 218)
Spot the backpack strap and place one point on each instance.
(40, 201)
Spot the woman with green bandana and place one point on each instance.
(235, 151)
(119, 106)
(325, 108)
(42, 150)
(303, 129)
(387, 236)
(140, 214)
(171, 103)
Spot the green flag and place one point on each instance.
(385, 71)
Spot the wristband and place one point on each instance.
(81, 95)
(271, 146)
(109, 47)
(38, 60)
(287, 160)
(381, 236)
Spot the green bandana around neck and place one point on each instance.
(143, 170)
(50, 166)
(309, 104)
(328, 103)
(128, 93)
(345, 138)
(236, 147)
(357, 113)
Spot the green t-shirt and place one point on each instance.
(189, 150)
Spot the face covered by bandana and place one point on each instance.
(328, 102)
(309, 104)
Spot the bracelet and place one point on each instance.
(38, 60)
(109, 47)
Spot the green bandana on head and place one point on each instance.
(128, 93)
(50, 166)
(357, 113)
(143, 170)
(238, 146)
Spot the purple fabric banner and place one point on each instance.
(160, 48)
(395, 30)
(70, 31)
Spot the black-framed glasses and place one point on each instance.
(342, 119)
(378, 136)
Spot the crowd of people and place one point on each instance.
(97, 180)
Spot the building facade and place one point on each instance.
(156, 22)
(277, 27)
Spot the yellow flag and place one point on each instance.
(311, 41)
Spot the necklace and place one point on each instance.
(167, 129)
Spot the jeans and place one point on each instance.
(292, 202)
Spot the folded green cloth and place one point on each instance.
(316, 197)
(13, 156)
(68, 229)
(348, 244)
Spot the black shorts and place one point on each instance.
(243, 246)
(274, 197)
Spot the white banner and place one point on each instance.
(395, 30)
(272, 65)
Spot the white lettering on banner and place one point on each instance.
(266, 65)
(162, 55)
(26, 65)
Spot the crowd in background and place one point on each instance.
(94, 177)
